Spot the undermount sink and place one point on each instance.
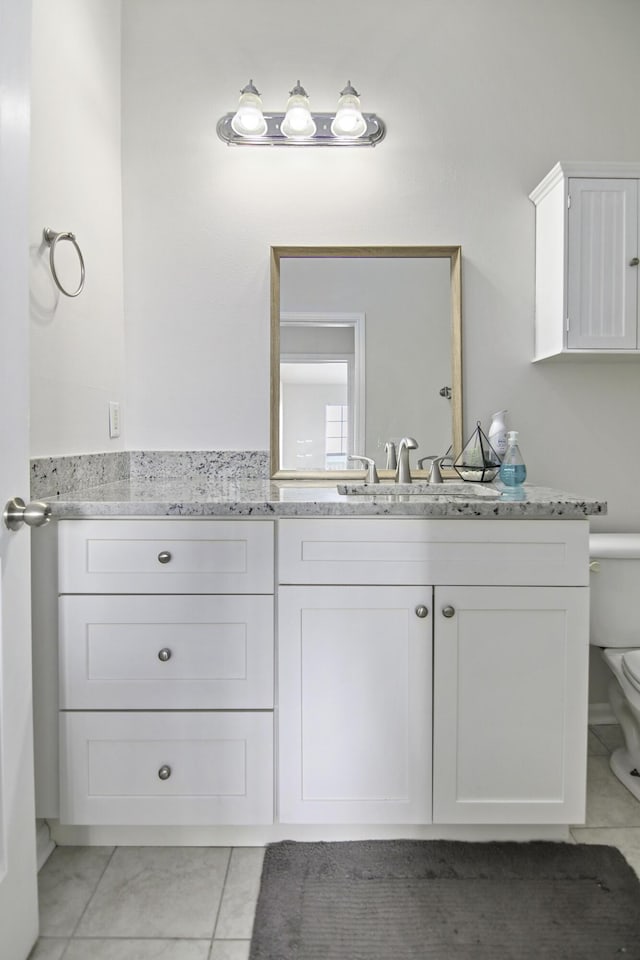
(449, 488)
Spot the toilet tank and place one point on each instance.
(615, 589)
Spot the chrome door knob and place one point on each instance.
(448, 612)
(164, 556)
(634, 261)
(35, 514)
(422, 611)
(164, 654)
(164, 772)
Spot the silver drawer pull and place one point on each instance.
(164, 654)
(164, 556)
(164, 772)
(448, 612)
(422, 611)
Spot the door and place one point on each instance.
(18, 891)
(355, 704)
(602, 305)
(510, 704)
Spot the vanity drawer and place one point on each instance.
(408, 551)
(165, 556)
(178, 652)
(169, 769)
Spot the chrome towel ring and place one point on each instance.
(51, 238)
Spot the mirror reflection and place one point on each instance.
(365, 351)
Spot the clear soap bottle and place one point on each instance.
(513, 471)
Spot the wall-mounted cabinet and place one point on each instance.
(587, 266)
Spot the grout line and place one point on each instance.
(224, 887)
(93, 893)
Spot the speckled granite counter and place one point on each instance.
(198, 497)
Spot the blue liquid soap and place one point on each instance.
(513, 471)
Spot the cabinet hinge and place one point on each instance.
(568, 200)
(566, 325)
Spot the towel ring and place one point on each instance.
(51, 238)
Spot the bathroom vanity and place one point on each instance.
(261, 660)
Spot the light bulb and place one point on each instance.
(248, 120)
(298, 122)
(348, 121)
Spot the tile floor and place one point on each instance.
(197, 903)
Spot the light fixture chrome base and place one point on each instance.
(322, 138)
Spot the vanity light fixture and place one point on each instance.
(298, 126)
(248, 120)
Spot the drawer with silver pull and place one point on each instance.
(166, 652)
(166, 768)
(166, 555)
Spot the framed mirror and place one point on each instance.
(365, 349)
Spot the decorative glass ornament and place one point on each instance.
(478, 461)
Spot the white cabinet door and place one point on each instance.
(602, 296)
(355, 671)
(510, 704)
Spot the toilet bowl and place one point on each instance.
(615, 628)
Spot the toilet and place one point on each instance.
(615, 628)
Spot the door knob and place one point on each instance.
(422, 611)
(16, 512)
(164, 772)
(164, 556)
(164, 654)
(634, 261)
(448, 612)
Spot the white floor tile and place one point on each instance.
(65, 886)
(609, 803)
(48, 949)
(609, 734)
(158, 892)
(235, 921)
(230, 950)
(106, 949)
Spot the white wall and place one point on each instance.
(77, 345)
(503, 90)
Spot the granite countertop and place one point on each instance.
(207, 497)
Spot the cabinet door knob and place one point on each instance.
(634, 261)
(422, 611)
(164, 772)
(164, 556)
(164, 654)
(448, 612)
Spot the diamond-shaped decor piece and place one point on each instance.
(478, 461)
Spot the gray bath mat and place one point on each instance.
(446, 900)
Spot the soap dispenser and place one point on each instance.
(497, 435)
(513, 471)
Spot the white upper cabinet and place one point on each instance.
(587, 244)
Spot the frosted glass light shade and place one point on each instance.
(298, 122)
(249, 120)
(348, 121)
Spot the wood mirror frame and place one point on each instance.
(452, 253)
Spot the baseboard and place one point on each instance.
(44, 844)
(601, 713)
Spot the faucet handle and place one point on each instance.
(372, 473)
(435, 476)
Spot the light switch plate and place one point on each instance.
(114, 419)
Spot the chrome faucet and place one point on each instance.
(403, 470)
(390, 450)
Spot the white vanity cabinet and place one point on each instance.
(355, 704)
(510, 704)
(166, 651)
(508, 695)
(587, 261)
